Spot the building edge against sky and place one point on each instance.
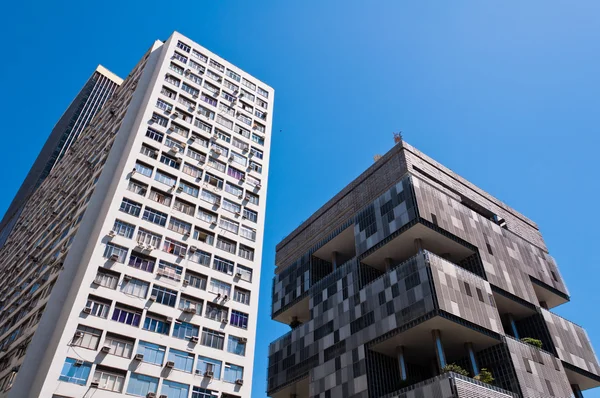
(409, 268)
(90, 99)
(154, 221)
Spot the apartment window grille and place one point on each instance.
(141, 385)
(197, 156)
(155, 135)
(226, 245)
(170, 271)
(124, 229)
(189, 303)
(200, 257)
(131, 207)
(90, 337)
(248, 233)
(165, 106)
(217, 65)
(160, 120)
(180, 226)
(212, 338)
(75, 373)
(174, 247)
(126, 315)
(148, 238)
(165, 178)
(160, 197)
(135, 287)
(172, 80)
(137, 187)
(250, 215)
(196, 280)
(193, 171)
(106, 279)
(215, 312)
(141, 262)
(176, 68)
(220, 287)
(236, 346)
(200, 56)
(185, 331)
(153, 353)
(119, 346)
(215, 164)
(245, 272)
(148, 151)
(164, 296)
(233, 373)
(246, 252)
(109, 379)
(241, 295)
(156, 324)
(155, 216)
(143, 169)
(239, 319)
(235, 173)
(206, 364)
(180, 57)
(189, 189)
(98, 307)
(112, 249)
(229, 225)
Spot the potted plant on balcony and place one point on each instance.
(485, 376)
(531, 341)
(452, 367)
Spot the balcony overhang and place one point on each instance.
(402, 247)
(299, 388)
(299, 311)
(343, 244)
(584, 379)
(544, 292)
(507, 303)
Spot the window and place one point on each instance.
(223, 136)
(123, 229)
(164, 296)
(131, 207)
(141, 262)
(242, 131)
(207, 216)
(247, 95)
(191, 304)
(143, 169)
(196, 280)
(220, 287)
(148, 151)
(174, 247)
(209, 100)
(215, 312)
(173, 389)
(207, 113)
(109, 379)
(165, 178)
(127, 315)
(217, 65)
(165, 106)
(213, 76)
(229, 225)
(183, 361)
(239, 319)
(135, 287)
(172, 79)
(214, 163)
(231, 206)
(233, 373)
(199, 392)
(154, 135)
(246, 252)
(203, 126)
(141, 385)
(153, 353)
(189, 189)
(119, 346)
(248, 233)
(244, 119)
(168, 92)
(200, 56)
(241, 295)
(160, 197)
(240, 144)
(176, 68)
(233, 75)
(180, 226)
(89, 339)
(169, 161)
(190, 90)
(210, 197)
(193, 171)
(249, 84)
(235, 345)
(468, 289)
(196, 66)
(234, 189)
(155, 216)
(206, 364)
(137, 187)
(255, 167)
(252, 198)
(180, 57)
(148, 238)
(170, 271)
(171, 143)
(214, 90)
(212, 338)
(239, 159)
(258, 139)
(225, 122)
(160, 120)
(228, 97)
(250, 215)
(118, 251)
(222, 265)
(235, 173)
(226, 245)
(201, 257)
(263, 92)
(106, 278)
(230, 86)
(198, 156)
(195, 78)
(184, 207)
(157, 324)
(185, 331)
(261, 103)
(75, 372)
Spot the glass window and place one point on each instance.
(263, 92)
(197, 66)
(233, 373)
(229, 225)
(217, 165)
(174, 247)
(234, 189)
(226, 245)
(118, 251)
(199, 392)
(170, 271)
(217, 65)
(262, 104)
(196, 280)
(232, 206)
(155, 216)
(236, 345)
(193, 171)
(119, 346)
(210, 197)
(180, 226)
(206, 364)
(140, 385)
(106, 279)
(176, 68)
(128, 316)
(199, 156)
(229, 85)
(145, 237)
(165, 178)
(161, 120)
(249, 84)
(185, 331)
(224, 122)
(216, 312)
(201, 257)
(244, 273)
(255, 167)
(248, 233)
(135, 287)
(164, 296)
(233, 75)
(160, 197)
(90, 337)
(137, 187)
(189, 189)
(109, 379)
(241, 295)
(153, 353)
(190, 304)
(200, 56)
(239, 319)
(206, 215)
(250, 215)
(212, 338)
(235, 173)
(173, 389)
(98, 307)
(220, 287)
(183, 361)
(123, 229)
(169, 161)
(246, 252)
(244, 119)
(171, 143)
(75, 371)
(165, 106)
(184, 207)
(251, 198)
(157, 324)
(258, 139)
(155, 135)
(139, 261)
(131, 207)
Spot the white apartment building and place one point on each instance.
(135, 267)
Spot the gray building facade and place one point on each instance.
(94, 94)
(411, 268)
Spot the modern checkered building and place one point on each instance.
(410, 268)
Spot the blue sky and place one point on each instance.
(503, 93)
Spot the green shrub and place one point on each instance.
(485, 376)
(534, 342)
(452, 367)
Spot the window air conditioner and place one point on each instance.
(78, 362)
(170, 364)
(78, 334)
(87, 310)
(139, 357)
(242, 340)
(209, 374)
(194, 339)
(105, 349)
(224, 320)
(114, 257)
(239, 382)
(153, 298)
(111, 233)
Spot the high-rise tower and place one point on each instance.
(409, 269)
(134, 268)
(96, 91)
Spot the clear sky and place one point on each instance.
(504, 93)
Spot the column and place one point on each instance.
(335, 260)
(513, 326)
(439, 349)
(418, 244)
(474, 367)
(388, 264)
(576, 391)
(401, 363)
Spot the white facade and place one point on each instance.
(122, 303)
